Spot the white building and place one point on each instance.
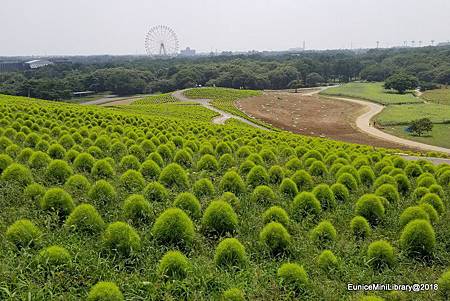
(34, 64)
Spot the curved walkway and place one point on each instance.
(224, 116)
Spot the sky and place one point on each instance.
(88, 27)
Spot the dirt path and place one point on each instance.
(224, 116)
(110, 101)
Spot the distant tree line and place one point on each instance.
(133, 75)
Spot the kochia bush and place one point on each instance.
(371, 207)
(54, 257)
(85, 218)
(23, 233)
(230, 253)
(276, 214)
(324, 233)
(173, 266)
(275, 237)
(293, 277)
(102, 192)
(58, 200)
(174, 227)
(203, 188)
(58, 171)
(418, 238)
(232, 182)
(219, 218)
(121, 238)
(189, 203)
(263, 195)
(380, 254)
(105, 291)
(360, 227)
(305, 204)
(132, 181)
(17, 174)
(173, 175)
(137, 209)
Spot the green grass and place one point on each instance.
(405, 114)
(439, 96)
(439, 136)
(155, 99)
(87, 98)
(374, 92)
(22, 279)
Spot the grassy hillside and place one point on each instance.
(439, 96)
(405, 114)
(75, 171)
(373, 92)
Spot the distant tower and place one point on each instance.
(413, 43)
(378, 44)
(432, 42)
(405, 43)
(420, 43)
(304, 45)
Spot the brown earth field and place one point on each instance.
(308, 114)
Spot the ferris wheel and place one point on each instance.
(161, 40)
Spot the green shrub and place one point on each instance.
(380, 254)
(5, 161)
(129, 162)
(203, 188)
(325, 196)
(360, 227)
(412, 213)
(173, 266)
(444, 284)
(173, 175)
(348, 181)
(189, 203)
(426, 181)
(54, 257)
(246, 166)
(183, 158)
(174, 227)
(85, 218)
(324, 233)
(257, 176)
(371, 298)
(207, 162)
(305, 204)
(77, 184)
(232, 182)
(137, 209)
(413, 170)
(84, 162)
(432, 213)
(371, 207)
(219, 218)
(327, 261)
(275, 237)
(230, 253)
(418, 193)
(435, 201)
(58, 200)
(23, 233)
(233, 294)
(303, 180)
(132, 181)
(150, 170)
(34, 192)
(58, 171)
(366, 175)
(384, 179)
(56, 151)
(340, 192)
(263, 195)
(226, 161)
(403, 184)
(121, 238)
(437, 189)
(102, 192)
(155, 192)
(105, 291)
(17, 174)
(444, 178)
(418, 238)
(348, 169)
(293, 277)
(389, 192)
(288, 188)
(102, 169)
(39, 160)
(276, 214)
(276, 174)
(231, 199)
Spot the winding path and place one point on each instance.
(223, 117)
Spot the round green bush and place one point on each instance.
(150, 170)
(231, 199)
(418, 193)
(173, 175)
(318, 169)
(360, 227)
(129, 162)
(384, 179)
(203, 188)
(85, 218)
(371, 207)
(325, 196)
(232, 182)
(174, 227)
(366, 175)
(327, 260)
(435, 201)
(303, 180)
(132, 181)
(432, 213)
(230, 253)
(276, 214)
(305, 204)
(17, 174)
(233, 294)
(155, 192)
(275, 237)
(288, 188)
(39, 160)
(437, 189)
(340, 192)
(58, 171)
(34, 192)
(349, 170)
(403, 184)
(418, 238)
(102, 192)
(189, 203)
(84, 162)
(444, 178)
(137, 209)
(389, 192)
(54, 257)
(5, 161)
(257, 176)
(294, 164)
(380, 254)
(226, 161)
(56, 151)
(412, 213)
(219, 218)
(121, 238)
(207, 162)
(276, 174)
(102, 169)
(173, 266)
(57, 200)
(105, 291)
(413, 170)
(77, 184)
(324, 233)
(183, 158)
(23, 233)
(23, 157)
(263, 195)
(246, 166)
(444, 285)
(348, 181)
(371, 298)
(426, 181)
(293, 277)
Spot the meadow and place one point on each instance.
(372, 92)
(405, 114)
(439, 136)
(439, 96)
(137, 203)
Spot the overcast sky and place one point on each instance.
(65, 27)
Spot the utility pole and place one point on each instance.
(378, 44)
(420, 43)
(432, 42)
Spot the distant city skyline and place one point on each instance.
(86, 27)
